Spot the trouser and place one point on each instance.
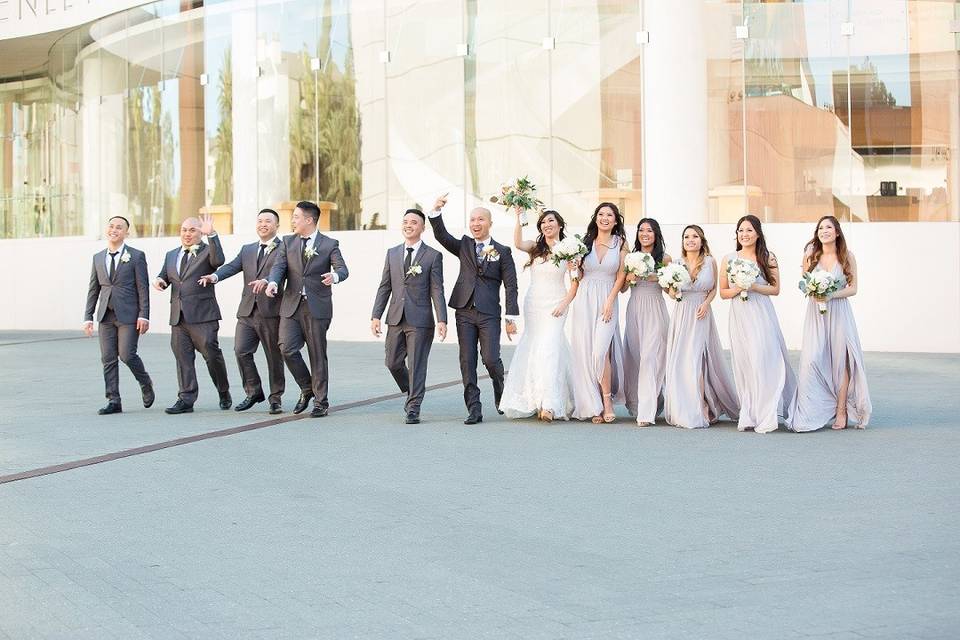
(251, 332)
(474, 327)
(186, 340)
(118, 340)
(299, 329)
(407, 351)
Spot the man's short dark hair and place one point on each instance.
(121, 218)
(275, 214)
(310, 209)
(418, 212)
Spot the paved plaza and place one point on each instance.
(359, 526)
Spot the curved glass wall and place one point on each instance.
(847, 107)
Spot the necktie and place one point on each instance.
(113, 263)
(303, 250)
(408, 260)
(479, 249)
(260, 256)
(183, 262)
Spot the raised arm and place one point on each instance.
(518, 241)
(215, 255)
(443, 236)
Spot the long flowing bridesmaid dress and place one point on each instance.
(766, 386)
(592, 339)
(831, 344)
(698, 388)
(645, 351)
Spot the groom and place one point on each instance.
(485, 265)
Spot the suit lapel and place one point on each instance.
(266, 256)
(192, 262)
(316, 249)
(116, 271)
(101, 266)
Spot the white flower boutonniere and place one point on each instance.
(270, 247)
(125, 257)
(309, 252)
(490, 253)
(414, 270)
(192, 249)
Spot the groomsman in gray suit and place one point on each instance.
(412, 281)
(258, 317)
(310, 263)
(120, 293)
(194, 312)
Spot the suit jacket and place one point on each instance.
(128, 293)
(246, 261)
(302, 273)
(479, 280)
(190, 302)
(411, 295)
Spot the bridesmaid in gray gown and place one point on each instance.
(832, 381)
(595, 344)
(645, 332)
(766, 386)
(698, 388)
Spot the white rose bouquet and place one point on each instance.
(520, 194)
(742, 274)
(818, 284)
(639, 264)
(570, 249)
(673, 276)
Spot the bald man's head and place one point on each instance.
(480, 222)
(190, 233)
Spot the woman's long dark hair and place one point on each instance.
(763, 255)
(704, 250)
(659, 246)
(618, 228)
(815, 247)
(542, 250)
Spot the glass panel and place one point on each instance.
(425, 104)
(218, 108)
(595, 108)
(367, 32)
(903, 96)
(511, 116)
(799, 165)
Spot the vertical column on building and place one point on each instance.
(245, 75)
(104, 141)
(675, 116)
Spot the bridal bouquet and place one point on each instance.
(639, 264)
(520, 194)
(673, 276)
(819, 283)
(570, 249)
(742, 274)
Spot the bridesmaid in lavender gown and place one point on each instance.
(595, 344)
(697, 388)
(645, 332)
(832, 380)
(766, 386)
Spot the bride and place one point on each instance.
(538, 381)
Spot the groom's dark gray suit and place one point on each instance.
(413, 297)
(306, 308)
(476, 297)
(119, 301)
(195, 317)
(258, 319)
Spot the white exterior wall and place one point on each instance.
(893, 313)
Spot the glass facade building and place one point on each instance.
(789, 110)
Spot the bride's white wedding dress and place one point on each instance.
(539, 373)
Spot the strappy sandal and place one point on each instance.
(609, 417)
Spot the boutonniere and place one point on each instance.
(490, 253)
(309, 252)
(125, 257)
(414, 270)
(192, 249)
(270, 247)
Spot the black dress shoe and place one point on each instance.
(413, 418)
(248, 402)
(225, 401)
(473, 418)
(112, 407)
(148, 396)
(179, 407)
(303, 402)
(275, 408)
(319, 412)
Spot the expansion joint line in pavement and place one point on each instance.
(209, 435)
